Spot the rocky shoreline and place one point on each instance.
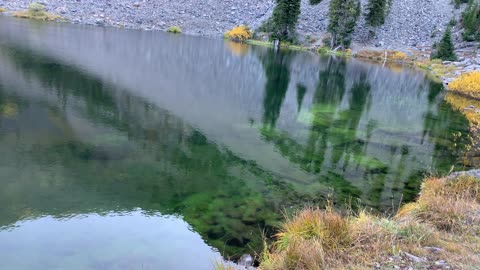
(411, 24)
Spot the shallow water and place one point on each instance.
(143, 150)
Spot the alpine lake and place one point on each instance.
(123, 149)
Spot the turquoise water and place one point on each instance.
(143, 150)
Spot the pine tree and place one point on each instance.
(284, 18)
(445, 49)
(471, 21)
(376, 12)
(343, 19)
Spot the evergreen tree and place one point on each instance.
(284, 18)
(471, 21)
(376, 12)
(343, 19)
(445, 49)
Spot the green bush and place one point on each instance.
(36, 8)
(175, 30)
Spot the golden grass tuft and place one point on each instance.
(300, 254)
(327, 227)
(468, 83)
(446, 204)
(2, 9)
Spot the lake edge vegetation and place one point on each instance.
(445, 216)
(37, 11)
(442, 227)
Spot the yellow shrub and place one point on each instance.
(239, 33)
(398, 56)
(467, 83)
(2, 10)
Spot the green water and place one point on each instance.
(142, 150)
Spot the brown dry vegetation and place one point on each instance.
(446, 216)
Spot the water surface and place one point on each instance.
(143, 150)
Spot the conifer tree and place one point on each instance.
(471, 21)
(445, 49)
(284, 18)
(376, 12)
(342, 21)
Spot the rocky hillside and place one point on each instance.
(411, 23)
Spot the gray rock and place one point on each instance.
(246, 260)
(413, 258)
(434, 249)
(473, 173)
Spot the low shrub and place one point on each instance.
(323, 50)
(2, 10)
(174, 29)
(372, 55)
(468, 83)
(37, 11)
(239, 33)
(36, 8)
(398, 56)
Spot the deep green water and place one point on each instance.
(141, 150)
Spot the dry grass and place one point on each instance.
(446, 215)
(392, 56)
(37, 12)
(447, 205)
(2, 9)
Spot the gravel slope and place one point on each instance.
(411, 23)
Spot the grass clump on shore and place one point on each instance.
(175, 29)
(2, 9)
(37, 11)
(446, 216)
